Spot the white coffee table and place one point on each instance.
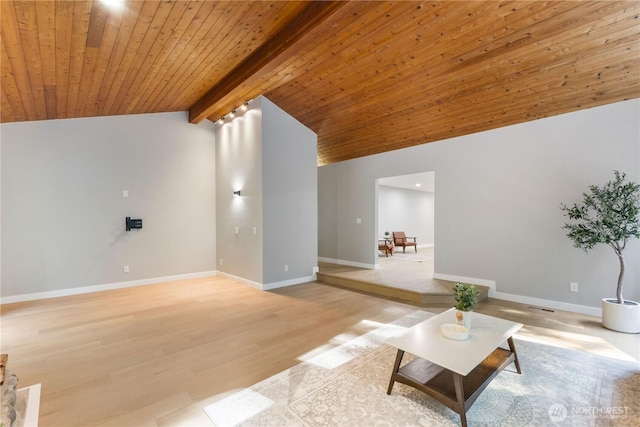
(454, 372)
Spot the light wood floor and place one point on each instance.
(155, 355)
(411, 271)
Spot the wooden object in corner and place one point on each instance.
(3, 366)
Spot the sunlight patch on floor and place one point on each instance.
(586, 343)
(237, 408)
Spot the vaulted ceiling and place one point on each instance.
(368, 77)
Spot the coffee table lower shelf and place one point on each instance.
(456, 391)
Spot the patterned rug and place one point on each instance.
(346, 386)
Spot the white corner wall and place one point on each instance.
(63, 210)
(239, 168)
(267, 237)
(290, 190)
(497, 217)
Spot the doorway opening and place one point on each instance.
(406, 203)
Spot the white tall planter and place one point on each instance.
(621, 317)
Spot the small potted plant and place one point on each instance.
(609, 215)
(465, 296)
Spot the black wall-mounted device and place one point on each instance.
(133, 223)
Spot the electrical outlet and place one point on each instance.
(286, 267)
(125, 269)
(573, 287)
(220, 261)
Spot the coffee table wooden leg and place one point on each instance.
(457, 383)
(512, 347)
(396, 367)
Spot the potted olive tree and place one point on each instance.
(609, 215)
(465, 296)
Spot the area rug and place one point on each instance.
(409, 256)
(346, 386)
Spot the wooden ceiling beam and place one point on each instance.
(314, 14)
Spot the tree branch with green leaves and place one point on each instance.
(609, 215)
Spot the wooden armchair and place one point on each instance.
(386, 246)
(400, 239)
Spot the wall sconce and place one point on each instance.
(236, 193)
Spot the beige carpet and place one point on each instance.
(346, 386)
(408, 256)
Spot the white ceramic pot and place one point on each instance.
(621, 317)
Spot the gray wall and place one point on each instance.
(406, 210)
(63, 209)
(290, 189)
(497, 217)
(271, 158)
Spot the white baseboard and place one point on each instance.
(290, 282)
(268, 286)
(349, 263)
(105, 287)
(242, 280)
(539, 302)
(545, 303)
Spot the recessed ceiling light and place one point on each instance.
(113, 4)
(418, 185)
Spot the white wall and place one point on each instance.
(290, 189)
(497, 217)
(63, 210)
(406, 210)
(239, 167)
(271, 158)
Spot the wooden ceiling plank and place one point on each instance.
(13, 56)
(80, 28)
(130, 48)
(311, 16)
(25, 13)
(6, 106)
(100, 57)
(10, 89)
(63, 27)
(116, 64)
(98, 19)
(46, 19)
